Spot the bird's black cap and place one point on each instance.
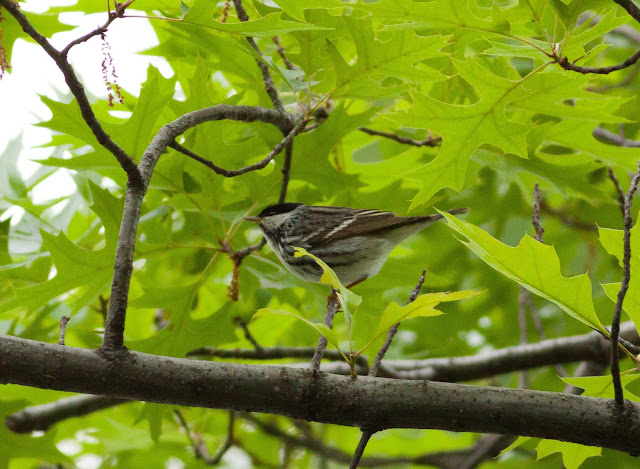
(277, 209)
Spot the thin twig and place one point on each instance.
(619, 190)
(524, 298)
(286, 172)
(536, 213)
(362, 444)
(77, 89)
(63, 328)
(269, 85)
(332, 309)
(198, 445)
(626, 277)
(430, 141)
(252, 167)
(247, 334)
(112, 15)
(373, 371)
(282, 53)
(565, 64)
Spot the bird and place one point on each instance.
(355, 243)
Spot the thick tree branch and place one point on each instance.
(373, 403)
(430, 141)
(626, 277)
(591, 347)
(269, 85)
(77, 89)
(123, 266)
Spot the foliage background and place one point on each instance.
(475, 74)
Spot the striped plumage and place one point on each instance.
(354, 243)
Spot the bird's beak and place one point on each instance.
(253, 219)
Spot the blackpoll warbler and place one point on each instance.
(354, 243)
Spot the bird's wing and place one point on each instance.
(325, 224)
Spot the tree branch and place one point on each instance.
(270, 353)
(270, 87)
(444, 459)
(282, 53)
(64, 320)
(246, 169)
(42, 417)
(332, 308)
(631, 8)
(619, 192)
(199, 448)
(298, 393)
(286, 172)
(373, 371)
(615, 139)
(565, 64)
(77, 89)
(591, 347)
(362, 444)
(114, 325)
(626, 277)
(430, 141)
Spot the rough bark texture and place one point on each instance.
(375, 403)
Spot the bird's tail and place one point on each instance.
(437, 216)
(458, 211)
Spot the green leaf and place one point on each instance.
(297, 9)
(423, 306)
(465, 128)
(573, 454)
(153, 414)
(536, 267)
(110, 210)
(348, 300)
(602, 386)
(378, 60)
(76, 268)
(612, 241)
(201, 13)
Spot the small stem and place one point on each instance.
(362, 444)
(63, 328)
(332, 309)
